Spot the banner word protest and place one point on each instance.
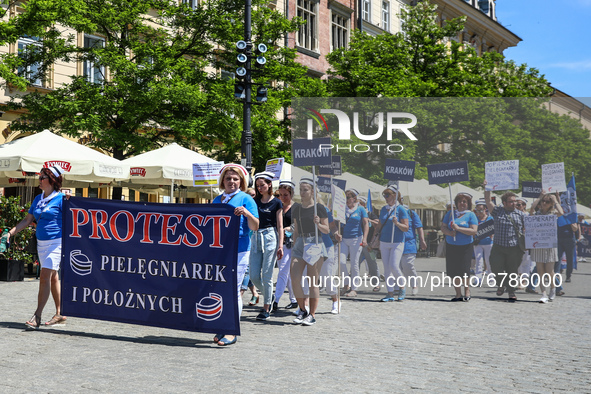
(399, 170)
(501, 175)
(448, 172)
(531, 189)
(553, 177)
(161, 265)
(541, 232)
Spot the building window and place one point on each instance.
(26, 45)
(340, 31)
(94, 72)
(307, 36)
(366, 10)
(386, 15)
(191, 3)
(484, 6)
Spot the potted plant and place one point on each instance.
(18, 254)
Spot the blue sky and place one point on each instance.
(556, 40)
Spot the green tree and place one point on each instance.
(151, 74)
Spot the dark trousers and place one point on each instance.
(566, 245)
(505, 259)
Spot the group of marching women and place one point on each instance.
(305, 242)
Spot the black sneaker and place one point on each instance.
(309, 321)
(274, 307)
(264, 315)
(301, 317)
(291, 305)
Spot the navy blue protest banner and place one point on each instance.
(485, 229)
(314, 152)
(531, 189)
(448, 172)
(399, 170)
(164, 265)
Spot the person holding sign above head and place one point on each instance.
(309, 220)
(506, 253)
(459, 230)
(267, 241)
(354, 232)
(393, 225)
(545, 258)
(232, 181)
(46, 209)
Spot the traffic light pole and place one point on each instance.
(246, 159)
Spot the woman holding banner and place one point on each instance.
(459, 230)
(393, 225)
(354, 233)
(46, 210)
(233, 182)
(308, 250)
(545, 258)
(267, 241)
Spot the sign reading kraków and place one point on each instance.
(311, 152)
(399, 170)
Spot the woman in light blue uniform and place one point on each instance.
(46, 210)
(233, 182)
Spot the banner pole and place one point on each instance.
(451, 203)
(315, 207)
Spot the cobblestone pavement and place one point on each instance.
(425, 343)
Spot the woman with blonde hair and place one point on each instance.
(545, 258)
(232, 182)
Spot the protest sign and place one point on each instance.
(448, 172)
(402, 170)
(553, 178)
(206, 174)
(314, 152)
(541, 232)
(531, 189)
(501, 175)
(485, 229)
(275, 166)
(333, 169)
(161, 265)
(339, 203)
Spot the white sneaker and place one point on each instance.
(552, 295)
(544, 299)
(335, 308)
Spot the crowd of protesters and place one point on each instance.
(309, 247)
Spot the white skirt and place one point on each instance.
(50, 253)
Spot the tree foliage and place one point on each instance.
(161, 78)
(474, 108)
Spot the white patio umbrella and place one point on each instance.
(45, 149)
(172, 164)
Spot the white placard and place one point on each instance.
(541, 232)
(553, 178)
(501, 175)
(339, 203)
(206, 174)
(275, 166)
